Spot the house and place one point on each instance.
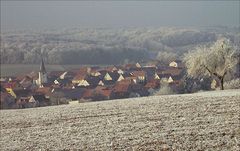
(140, 75)
(156, 76)
(154, 84)
(111, 69)
(164, 77)
(22, 102)
(150, 72)
(22, 92)
(95, 73)
(100, 83)
(138, 65)
(120, 78)
(63, 82)
(38, 100)
(83, 83)
(2, 79)
(132, 79)
(12, 85)
(170, 79)
(105, 93)
(88, 94)
(121, 90)
(173, 71)
(110, 78)
(7, 101)
(93, 81)
(33, 75)
(107, 77)
(11, 92)
(176, 64)
(120, 71)
(26, 82)
(22, 97)
(72, 94)
(46, 91)
(63, 75)
(79, 78)
(132, 66)
(169, 74)
(56, 74)
(18, 77)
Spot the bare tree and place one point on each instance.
(216, 60)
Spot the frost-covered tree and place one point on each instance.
(216, 61)
(166, 57)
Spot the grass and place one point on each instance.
(202, 121)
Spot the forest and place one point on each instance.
(106, 46)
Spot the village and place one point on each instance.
(87, 84)
(37, 89)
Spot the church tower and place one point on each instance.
(42, 75)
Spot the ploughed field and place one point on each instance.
(201, 121)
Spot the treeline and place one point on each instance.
(104, 46)
(95, 56)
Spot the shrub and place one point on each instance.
(165, 90)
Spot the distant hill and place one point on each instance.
(105, 46)
(201, 121)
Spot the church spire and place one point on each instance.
(42, 67)
(42, 75)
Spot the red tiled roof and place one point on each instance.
(110, 68)
(139, 73)
(20, 77)
(44, 90)
(104, 91)
(80, 77)
(121, 87)
(127, 80)
(152, 84)
(88, 93)
(172, 71)
(12, 84)
(33, 75)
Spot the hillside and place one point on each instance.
(105, 46)
(202, 121)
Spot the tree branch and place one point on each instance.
(208, 69)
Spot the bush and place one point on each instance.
(165, 90)
(233, 84)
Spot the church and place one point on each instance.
(42, 75)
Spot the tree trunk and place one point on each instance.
(221, 83)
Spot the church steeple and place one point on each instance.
(42, 75)
(42, 67)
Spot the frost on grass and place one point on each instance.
(203, 121)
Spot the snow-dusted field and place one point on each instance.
(202, 121)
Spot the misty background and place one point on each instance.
(111, 32)
(110, 14)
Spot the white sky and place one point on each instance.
(114, 14)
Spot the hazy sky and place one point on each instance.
(63, 14)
